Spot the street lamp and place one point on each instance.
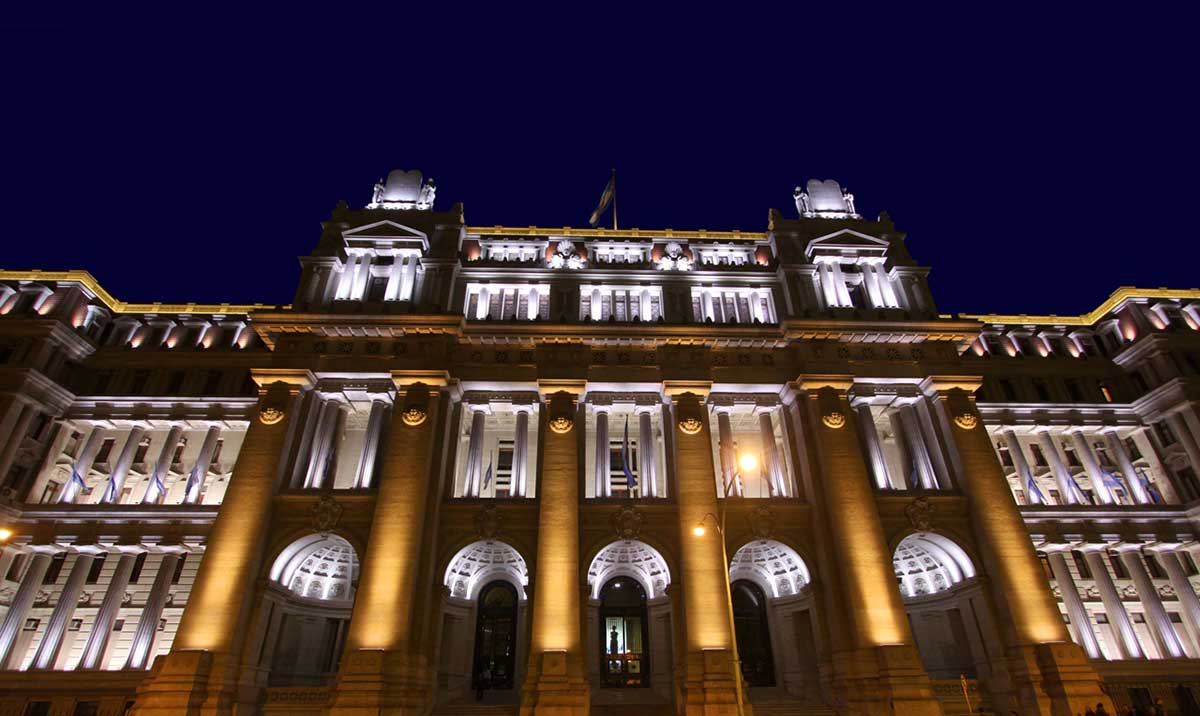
(5, 534)
(745, 463)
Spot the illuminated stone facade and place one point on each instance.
(530, 463)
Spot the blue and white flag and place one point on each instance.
(76, 480)
(487, 475)
(1079, 493)
(1151, 490)
(914, 482)
(110, 492)
(1035, 494)
(626, 452)
(157, 486)
(1110, 480)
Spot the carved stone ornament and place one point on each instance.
(834, 420)
(920, 514)
(413, 416)
(272, 405)
(561, 424)
(270, 415)
(762, 523)
(487, 522)
(966, 421)
(627, 521)
(691, 425)
(325, 514)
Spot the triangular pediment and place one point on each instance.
(385, 229)
(847, 240)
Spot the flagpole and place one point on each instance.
(614, 181)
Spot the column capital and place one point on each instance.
(1089, 547)
(1110, 430)
(813, 382)
(1125, 547)
(297, 380)
(431, 378)
(1055, 547)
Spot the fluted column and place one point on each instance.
(727, 452)
(917, 448)
(774, 464)
(1080, 619)
(18, 609)
(156, 489)
(1179, 426)
(143, 636)
(1156, 614)
(322, 443)
(521, 449)
(1024, 474)
(408, 278)
(1084, 449)
(555, 681)
(875, 458)
(116, 479)
(827, 285)
(1062, 476)
(472, 480)
(1169, 558)
(602, 477)
(392, 291)
(370, 449)
(647, 465)
(14, 438)
(83, 465)
(1094, 555)
(195, 481)
(47, 651)
(1115, 446)
(97, 641)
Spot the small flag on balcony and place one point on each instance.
(609, 196)
(626, 453)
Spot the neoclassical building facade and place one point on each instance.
(501, 470)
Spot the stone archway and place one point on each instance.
(776, 572)
(473, 572)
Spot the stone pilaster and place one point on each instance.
(555, 684)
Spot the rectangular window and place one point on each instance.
(16, 567)
(179, 569)
(96, 568)
(1081, 565)
(177, 458)
(139, 455)
(1069, 451)
(138, 564)
(1131, 447)
(105, 450)
(1118, 567)
(56, 565)
(1154, 568)
(1039, 457)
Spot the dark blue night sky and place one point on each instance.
(1037, 158)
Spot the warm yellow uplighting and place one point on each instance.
(748, 462)
(698, 530)
(5, 533)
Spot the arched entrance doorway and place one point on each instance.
(484, 617)
(306, 608)
(495, 650)
(775, 621)
(946, 611)
(629, 630)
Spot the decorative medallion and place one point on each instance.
(690, 426)
(966, 421)
(325, 514)
(561, 424)
(834, 420)
(920, 514)
(762, 523)
(627, 521)
(270, 415)
(414, 416)
(487, 522)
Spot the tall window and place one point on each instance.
(620, 483)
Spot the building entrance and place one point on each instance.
(624, 658)
(495, 637)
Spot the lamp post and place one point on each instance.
(746, 462)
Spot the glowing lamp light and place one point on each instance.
(748, 462)
(1130, 333)
(698, 530)
(5, 534)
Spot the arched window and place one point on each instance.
(495, 636)
(753, 635)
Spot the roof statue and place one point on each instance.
(403, 190)
(824, 200)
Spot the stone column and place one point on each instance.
(917, 448)
(827, 286)
(710, 671)
(143, 636)
(866, 425)
(725, 449)
(392, 291)
(601, 467)
(1084, 449)
(370, 450)
(1184, 591)
(876, 667)
(473, 477)
(383, 670)
(15, 437)
(774, 463)
(321, 443)
(408, 278)
(97, 641)
(83, 465)
(646, 466)
(1024, 474)
(1095, 555)
(201, 671)
(156, 490)
(1184, 436)
(1047, 671)
(554, 679)
(1132, 483)
(195, 481)
(47, 651)
(1084, 635)
(116, 479)
(1156, 615)
(1062, 476)
(521, 449)
(18, 609)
